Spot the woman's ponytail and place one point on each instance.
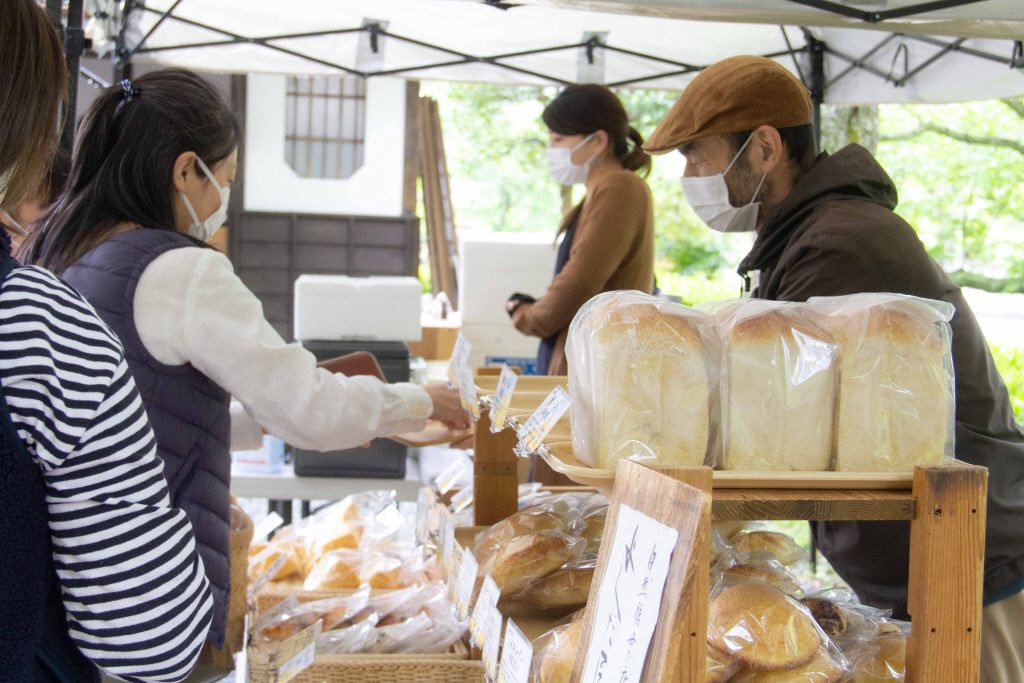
(637, 160)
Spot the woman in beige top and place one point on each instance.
(608, 241)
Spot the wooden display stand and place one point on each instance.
(945, 506)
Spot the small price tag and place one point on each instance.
(467, 392)
(454, 567)
(452, 474)
(531, 434)
(466, 583)
(298, 653)
(516, 656)
(487, 600)
(492, 642)
(502, 398)
(460, 358)
(462, 500)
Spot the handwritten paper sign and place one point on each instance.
(465, 583)
(447, 540)
(531, 434)
(487, 600)
(516, 656)
(426, 510)
(502, 398)
(630, 597)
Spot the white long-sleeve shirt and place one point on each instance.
(191, 307)
(137, 599)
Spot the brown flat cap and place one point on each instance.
(733, 95)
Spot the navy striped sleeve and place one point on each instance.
(137, 598)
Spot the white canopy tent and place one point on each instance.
(893, 51)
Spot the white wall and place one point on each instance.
(271, 184)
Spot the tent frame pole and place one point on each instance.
(884, 15)
(816, 81)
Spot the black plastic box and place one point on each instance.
(384, 458)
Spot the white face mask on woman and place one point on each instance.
(561, 166)
(203, 230)
(708, 196)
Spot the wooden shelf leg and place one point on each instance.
(495, 473)
(947, 553)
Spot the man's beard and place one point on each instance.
(742, 182)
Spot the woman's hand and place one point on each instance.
(447, 406)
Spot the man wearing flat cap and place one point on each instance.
(826, 226)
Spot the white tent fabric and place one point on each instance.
(638, 44)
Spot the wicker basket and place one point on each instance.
(454, 667)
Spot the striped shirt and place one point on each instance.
(137, 599)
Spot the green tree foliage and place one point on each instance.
(958, 168)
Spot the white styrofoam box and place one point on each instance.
(330, 307)
(498, 341)
(492, 266)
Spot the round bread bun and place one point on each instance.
(761, 627)
(887, 662)
(527, 559)
(782, 547)
(728, 530)
(568, 587)
(821, 669)
(519, 524)
(556, 664)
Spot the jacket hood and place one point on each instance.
(850, 173)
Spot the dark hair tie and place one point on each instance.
(130, 93)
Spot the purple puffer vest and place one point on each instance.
(189, 412)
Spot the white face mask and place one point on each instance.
(708, 196)
(203, 230)
(561, 166)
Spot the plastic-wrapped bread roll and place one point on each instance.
(779, 404)
(642, 370)
(896, 396)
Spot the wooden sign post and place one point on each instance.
(673, 503)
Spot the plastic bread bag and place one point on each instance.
(430, 599)
(768, 632)
(646, 370)
(847, 622)
(718, 667)
(884, 657)
(290, 617)
(349, 640)
(780, 546)
(445, 630)
(524, 560)
(385, 603)
(391, 639)
(896, 395)
(264, 556)
(554, 513)
(758, 567)
(350, 569)
(779, 380)
(565, 588)
(555, 652)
